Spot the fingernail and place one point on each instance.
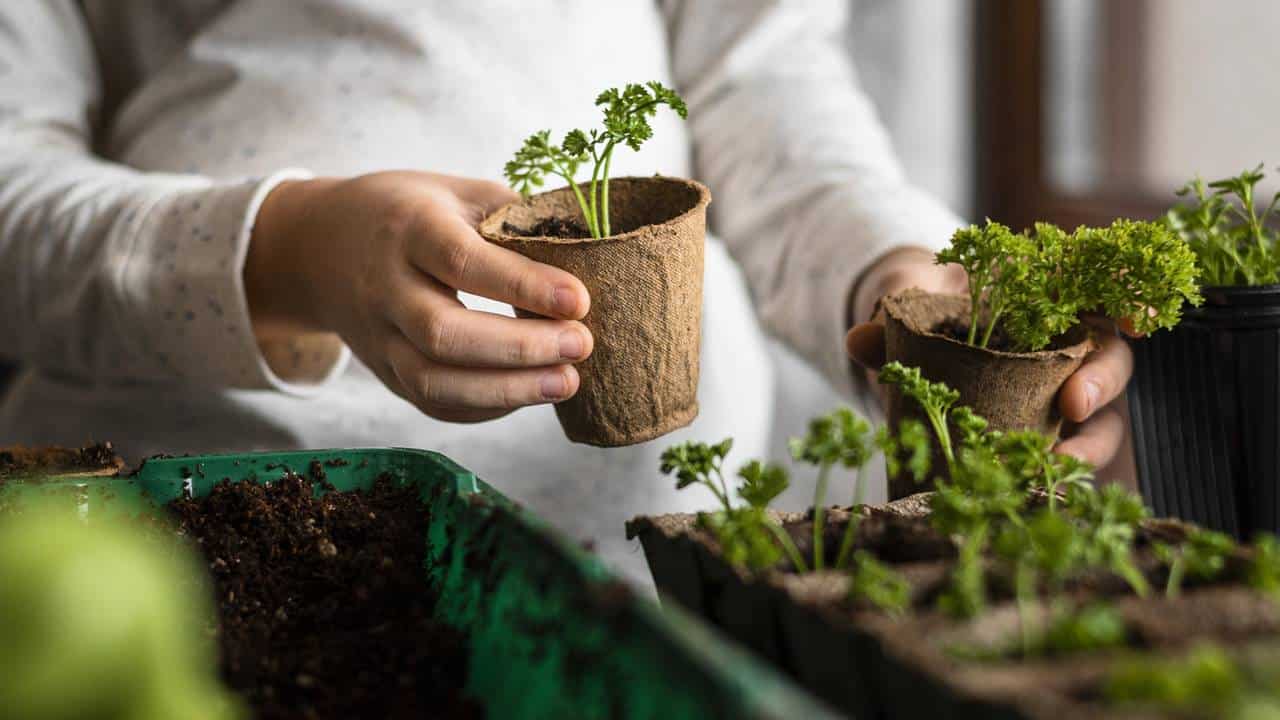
(571, 345)
(553, 386)
(565, 301)
(1092, 393)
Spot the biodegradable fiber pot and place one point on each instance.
(1205, 405)
(646, 302)
(1013, 391)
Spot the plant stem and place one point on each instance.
(1176, 569)
(1124, 567)
(604, 189)
(723, 497)
(723, 486)
(986, 336)
(938, 420)
(851, 530)
(587, 213)
(788, 546)
(819, 498)
(595, 213)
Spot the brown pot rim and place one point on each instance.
(1075, 350)
(498, 216)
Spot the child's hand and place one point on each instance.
(378, 260)
(1090, 397)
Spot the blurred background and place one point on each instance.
(1070, 111)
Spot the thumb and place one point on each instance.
(865, 344)
(482, 197)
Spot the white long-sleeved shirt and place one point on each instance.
(138, 138)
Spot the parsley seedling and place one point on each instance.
(879, 584)
(626, 122)
(747, 535)
(1203, 555)
(1232, 240)
(844, 438)
(1111, 516)
(936, 399)
(1264, 567)
(1035, 285)
(1206, 682)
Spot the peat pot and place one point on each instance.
(645, 282)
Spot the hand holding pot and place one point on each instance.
(1088, 396)
(378, 260)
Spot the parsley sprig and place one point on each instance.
(627, 112)
(1034, 285)
(1234, 242)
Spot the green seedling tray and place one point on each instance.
(553, 634)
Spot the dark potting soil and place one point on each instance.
(321, 601)
(957, 329)
(22, 460)
(556, 227)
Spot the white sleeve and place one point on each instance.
(806, 190)
(107, 272)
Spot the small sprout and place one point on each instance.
(878, 584)
(972, 427)
(1264, 567)
(908, 450)
(1203, 556)
(762, 483)
(747, 535)
(1206, 681)
(981, 491)
(696, 462)
(936, 399)
(1047, 545)
(742, 537)
(840, 437)
(1096, 627)
(1112, 515)
(966, 596)
(626, 122)
(1029, 456)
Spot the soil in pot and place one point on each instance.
(645, 283)
(1013, 391)
(323, 611)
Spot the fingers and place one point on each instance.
(1098, 440)
(444, 389)
(451, 251)
(444, 331)
(1099, 380)
(865, 344)
(481, 197)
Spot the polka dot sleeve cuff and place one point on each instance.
(184, 278)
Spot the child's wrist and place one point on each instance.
(275, 278)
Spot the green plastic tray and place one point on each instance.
(552, 633)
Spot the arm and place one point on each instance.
(809, 196)
(107, 272)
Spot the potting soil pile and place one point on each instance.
(322, 605)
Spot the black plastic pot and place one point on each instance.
(1205, 406)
